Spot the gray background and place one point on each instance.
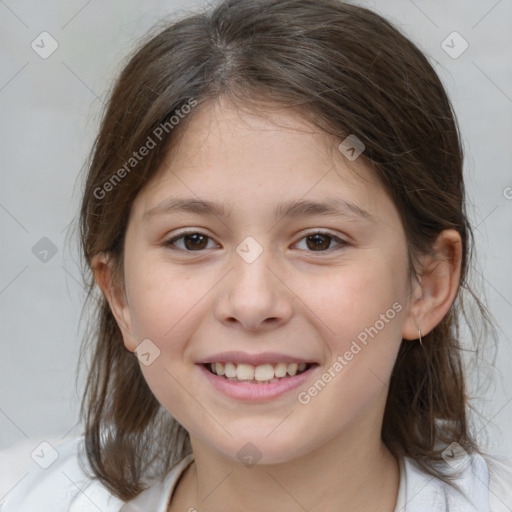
(49, 115)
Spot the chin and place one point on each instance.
(262, 448)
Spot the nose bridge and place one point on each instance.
(252, 275)
(253, 295)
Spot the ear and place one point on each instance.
(102, 267)
(433, 296)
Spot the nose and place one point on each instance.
(254, 296)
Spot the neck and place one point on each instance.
(348, 473)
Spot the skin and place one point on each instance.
(326, 455)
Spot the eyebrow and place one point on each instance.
(300, 208)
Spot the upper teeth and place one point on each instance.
(262, 372)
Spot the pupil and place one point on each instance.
(318, 243)
(195, 237)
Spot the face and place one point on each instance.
(266, 283)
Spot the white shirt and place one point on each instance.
(64, 487)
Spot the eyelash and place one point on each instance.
(169, 243)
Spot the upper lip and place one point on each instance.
(253, 359)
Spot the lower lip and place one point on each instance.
(255, 392)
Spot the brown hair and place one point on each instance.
(349, 71)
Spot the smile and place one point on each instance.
(256, 384)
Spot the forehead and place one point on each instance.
(269, 135)
(240, 156)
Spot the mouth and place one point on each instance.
(260, 374)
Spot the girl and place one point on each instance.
(274, 213)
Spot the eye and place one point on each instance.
(193, 241)
(320, 241)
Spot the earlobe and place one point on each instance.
(435, 293)
(115, 296)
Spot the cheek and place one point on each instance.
(164, 308)
(160, 298)
(354, 298)
(361, 310)
(362, 314)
